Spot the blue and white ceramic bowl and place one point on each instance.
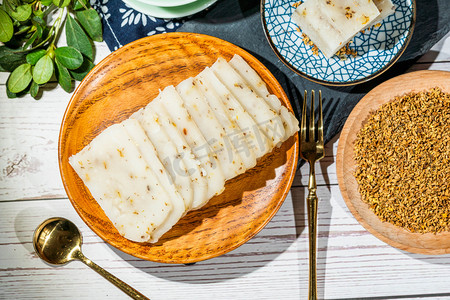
(377, 49)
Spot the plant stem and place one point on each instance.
(58, 26)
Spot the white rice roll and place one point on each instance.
(232, 130)
(255, 137)
(148, 151)
(173, 104)
(167, 153)
(290, 123)
(195, 171)
(123, 184)
(203, 115)
(266, 118)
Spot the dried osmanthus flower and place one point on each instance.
(403, 161)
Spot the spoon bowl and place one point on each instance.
(58, 241)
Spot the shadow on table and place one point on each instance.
(253, 255)
(324, 214)
(223, 12)
(430, 259)
(323, 230)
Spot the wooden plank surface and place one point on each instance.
(273, 265)
(29, 136)
(352, 263)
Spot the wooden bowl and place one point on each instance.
(400, 238)
(127, 80)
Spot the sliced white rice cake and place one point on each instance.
(167, 154)
(123, 184)
(196, 173)
(252, 78)
(331, 24)
(231, 128)
(386, 8)
(318, 29)
(148, 151)
(174, 106)
(266, 118)
(349, 16)
(255, 137)
(203, 115)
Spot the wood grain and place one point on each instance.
(346, 166)
(126, 81)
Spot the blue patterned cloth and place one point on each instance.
(122, 24)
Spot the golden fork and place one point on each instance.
(312, 150)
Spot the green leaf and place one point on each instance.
(34, 89)
(30, 40)
(20, 78)
(82, 71)
(9, 94)
(38, 20)
(33, 57)
(77, 38)
(69, 57)
(61, 3)
(22, 29)
(39, 30)
(63, 76)
(21, 13)
(46, 2)
(38, 13)
(6, 27)
(91, 22)
(80, 4)
(10, 59)
(43, 70)
(45, 35)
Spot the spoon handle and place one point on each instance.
(113, 279)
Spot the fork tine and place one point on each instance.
(303, 124)
(320, 123)
(312, 122)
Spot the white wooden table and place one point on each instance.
(352, 264)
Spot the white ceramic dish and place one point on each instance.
(170, 12)
(167, 3)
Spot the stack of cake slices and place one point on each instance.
(177, 152)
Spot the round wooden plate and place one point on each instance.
(345, 164)
(127, 80)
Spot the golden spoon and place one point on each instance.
(58, 241)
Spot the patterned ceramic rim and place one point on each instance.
(402, 42)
